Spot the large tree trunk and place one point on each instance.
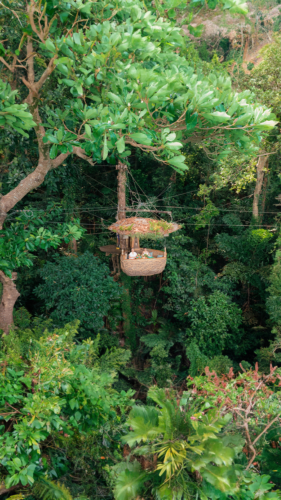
(262, 162)
(121, 212)
(264, 189)
(8, 300)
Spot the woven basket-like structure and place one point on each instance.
(142, 227)
(144, 267)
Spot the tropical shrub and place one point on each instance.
(170, 445)
(78, 287)
(179, 449)
(251, 398)
(54, 393)
(198, 361)
(187, 278)
(215, 322)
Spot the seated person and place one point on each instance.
(145, 252)
(133, 254)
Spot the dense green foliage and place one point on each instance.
(54, 391)
(28, 234)
(178, 438)
(78, 287)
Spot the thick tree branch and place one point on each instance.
(6, 64)
(4, 490)
(30, 11)
(76, 151)
(81, 153)
(30, 182)
(48, 71)
(143, 147)
(35, 179)
(30, 61)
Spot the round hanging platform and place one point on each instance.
(144, 267)
(110, 249)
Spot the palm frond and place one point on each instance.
(130, 482)
(144, 422)
(19, 496)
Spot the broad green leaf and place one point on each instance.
(120, 145)
(114, 98)
(267, 125)
(76, 38)
(50, 46)
(70, 83)
(191, 120)
(169, 492)
(236, 6)
(17, 462)
(222, 478)
(174, 145)
(118, 125)
(178, 161)
(141, 138)
(129, 484)
(144, 422)
(63, 16)
(115, 37)
(88, 130)
(86, 9)
(126, 153)
(196, 30)
(136, 12)
(53, 151)
(217, 116)
(171, 137)
(105, 148)
(243, 119)
(60, 134)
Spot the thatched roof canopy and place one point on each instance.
(142, 227)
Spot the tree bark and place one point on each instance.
(73, 246)
(262, 162)
(122, 175)
(8, 300)
(264, 188)
(4, 490)
(35, 179)
(121, 212)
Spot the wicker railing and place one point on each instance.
(144, 267)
